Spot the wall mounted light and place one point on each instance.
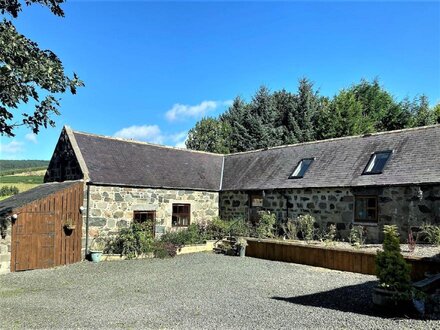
(81, 209)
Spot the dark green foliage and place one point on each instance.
(194, 234)
(436, 111)
(266, 225)
(8, 167)
(357, 236)
(209, 135)
(391, 268)
(282, 117)
(26, 71)
(218, 228)
(164, 250)
(8, 191)
(13, 7)
(430, 234)
(306, 226)
(131, 242)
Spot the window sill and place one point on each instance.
(372, 224)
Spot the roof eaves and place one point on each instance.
(96, 183)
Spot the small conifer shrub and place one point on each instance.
(392, 270)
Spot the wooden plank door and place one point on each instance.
(34, 243)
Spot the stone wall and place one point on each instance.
(63, 165)
(404, 206)
(111, 208)
(5, 245)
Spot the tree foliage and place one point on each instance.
(282, 117)
(209, 135)
(26, 71)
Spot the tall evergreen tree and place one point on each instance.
(239, 137)
(422, 114)
(286, 123)
(307, 106)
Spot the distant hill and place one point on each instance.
(8, 167)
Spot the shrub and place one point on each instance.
(194, 234)
(391, 268)
(164, 249)
(218, 228)
(265, 224)
(357, 236)
(306, 225)
(131, 242)
(8, 191)
(290, 229)
(330, 234)
(430, 233)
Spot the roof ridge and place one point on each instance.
(147, 143)
(337, 139)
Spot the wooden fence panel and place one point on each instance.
(332, 258)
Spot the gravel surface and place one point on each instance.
(195, 291)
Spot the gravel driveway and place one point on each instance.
(191, 292)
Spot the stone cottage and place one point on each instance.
(371, 180)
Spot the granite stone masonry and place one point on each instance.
(111, 208)
(5, 245)
(407, 207)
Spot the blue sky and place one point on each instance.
(153, 69)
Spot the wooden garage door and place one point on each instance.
(39, 239)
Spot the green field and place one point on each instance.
(28, 174)
(8, 167)
(15, 179)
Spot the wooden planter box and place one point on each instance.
(208, 246)
(331, 257)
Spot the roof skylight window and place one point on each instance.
(301, 168)
(377, 162)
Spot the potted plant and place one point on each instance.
(96, 249)
(394, 291)
(241, 246)
(69, 224)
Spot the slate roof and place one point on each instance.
(340, 162)
(39, 192)
(122, 162)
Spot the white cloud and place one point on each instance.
(10, 149)
(148, 133)
(31, 137)
(181, 144)
(181, 111)
(179, 139)
(153, 134)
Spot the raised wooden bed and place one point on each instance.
(331, 257)
(208, 246)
